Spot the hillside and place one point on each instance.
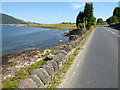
(6, 19)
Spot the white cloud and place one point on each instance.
(77, 5)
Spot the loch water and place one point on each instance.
(15, 38)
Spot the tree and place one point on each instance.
(80, 18)
(88, 12)
(93, 20)
(85, 18)
(116, 12)
(112, 20)
(100, 21)
(109, 20)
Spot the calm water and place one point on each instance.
(15, 38)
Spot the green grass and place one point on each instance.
(57, 79)
(22, 74)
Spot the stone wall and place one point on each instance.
(42, 76)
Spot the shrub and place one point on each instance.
(81, 26)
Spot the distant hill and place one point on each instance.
(6, 19)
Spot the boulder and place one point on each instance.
(37, 80)
(60, 41)
(42, 74)
(66, 48)
(70, 47)
(49, 69)
(27, 83)
(60, 56)
(61, 51)
(49, 57)
(73, 44)
(53, 64)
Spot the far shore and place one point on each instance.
(48, 26)
(51, 26)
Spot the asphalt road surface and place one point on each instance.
(96, 66)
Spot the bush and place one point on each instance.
(81, 26)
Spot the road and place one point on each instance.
(96, 66)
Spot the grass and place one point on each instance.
(57, 78)
(22, 74)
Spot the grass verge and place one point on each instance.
(57, 78)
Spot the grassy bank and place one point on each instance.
(57, 79)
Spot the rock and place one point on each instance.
(65, 48)
(68, 47)
(60, 56)
(53, 64)
(49, 57)
(27, 83)
(42, 74)
(61, 51)
(60, 41)
(73, 44)
(49, 69)
(37, 80)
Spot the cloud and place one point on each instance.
(77, 5)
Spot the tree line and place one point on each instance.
(86, 19)
(115, 18)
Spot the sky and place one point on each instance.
(55, 12)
